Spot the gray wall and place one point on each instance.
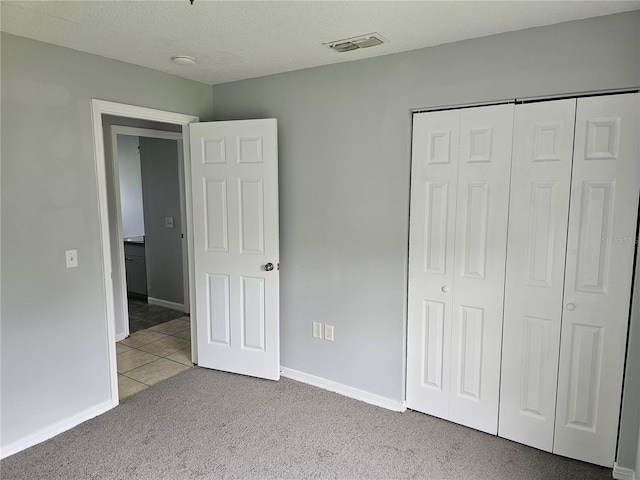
(344, 141)
(161, 194)
(53, 332)
(130, 177)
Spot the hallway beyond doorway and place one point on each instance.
(143, 315)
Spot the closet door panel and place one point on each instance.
(601, 245)
(538, 217)
(478, 277)
(431, 257)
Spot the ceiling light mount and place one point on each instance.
(183, 60)
(354, 43)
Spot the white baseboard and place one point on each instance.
(52, 430)
(621, 473)
(345, 390)
(121, 336)
(165, 303)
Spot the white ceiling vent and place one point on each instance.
(362, 41)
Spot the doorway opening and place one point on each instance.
(112, 239)
(149, 210)
(153, 333)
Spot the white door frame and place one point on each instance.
(121, 282)
(98, 109)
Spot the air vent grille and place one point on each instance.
(344, 47)
(368, 42)
(354, 43)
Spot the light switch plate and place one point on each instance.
(72, 258)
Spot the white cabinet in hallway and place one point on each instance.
(572, 220)
(460, 197)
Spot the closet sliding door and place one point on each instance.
(572, 238)
(550, 369)
(459, 209)
(539, 206)
(479, 265)
(599, 268)
(434, 184)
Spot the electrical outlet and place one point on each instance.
(317, 330)
(328, 332)
(168, 222)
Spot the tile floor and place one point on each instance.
(149, 356)
(143, 315)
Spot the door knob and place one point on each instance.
(445, 289)
(571, 306)
(268, 267)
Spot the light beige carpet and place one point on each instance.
(203, 424)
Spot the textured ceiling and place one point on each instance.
(233, 40)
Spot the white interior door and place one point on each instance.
(599, 267)
(234, 181)
(478, 279)
(538, 217)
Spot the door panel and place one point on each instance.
(431, 256)
(251, 216)
(595, 224)
(234, 172)
(470, 347)
(215, 205)
(460, 187)
(432, 346)
(478, 274)
(218, 312)
(475, 229)
(538, 217)
(601, 245)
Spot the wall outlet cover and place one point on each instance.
(317, 330)
(328, 332)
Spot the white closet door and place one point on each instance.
(538, 216)
(601, 244)
(431, 256)
(479, 266)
